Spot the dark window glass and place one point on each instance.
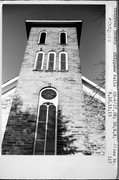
(50, 143)
(39, 148)
(62, 38)
(63, 62)
(39, 61)
(48, 94)
(41, 130)
(42, 113)
(46, 126)
(42, 38)
(46, 136)
(42, 122)
(51, 62)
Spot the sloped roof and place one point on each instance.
(88, 87)
(94, 108)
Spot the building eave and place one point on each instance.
(89, 87)
(9, 85)
(93, 85)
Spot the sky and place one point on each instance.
(14, 39)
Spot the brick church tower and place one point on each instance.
(47, 115)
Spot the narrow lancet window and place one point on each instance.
(63, 61)
(42, 38)
(39, 61)
(46, 135)
(51, 61)
(63, 38)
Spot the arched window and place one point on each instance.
(63, 61)
(46, 127)
(51, 61)
(39, 61)
(42, 38)
(63, 38)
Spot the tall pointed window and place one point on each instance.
(39, 61)
(63, 61)
(42, 38)
(63, 38)
(51, 61)
(46, 127)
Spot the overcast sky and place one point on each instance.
(92, 45)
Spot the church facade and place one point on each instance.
(47, 115)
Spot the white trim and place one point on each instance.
(39, 37)
(54, 65)
(54, 100)
(36, 59)
(88, 87)
(9, 92)
(56, 124)
(9, 85)
(58, 2)
(60, 37)
(41, 102)
(14, 81)
(46, 127)
(9, 82)
(59, 21)
(66, 60)
(93, 84)
(36, 128)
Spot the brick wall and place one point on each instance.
(95, 114)
(6, 105)
(19, 135)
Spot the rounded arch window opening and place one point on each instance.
(39, 60)
(42, 37)
(63, 61)
(63, 38)
(51, 61)
(48, 93)
(45, 142)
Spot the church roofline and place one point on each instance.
(55, 23)
(90, 87)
